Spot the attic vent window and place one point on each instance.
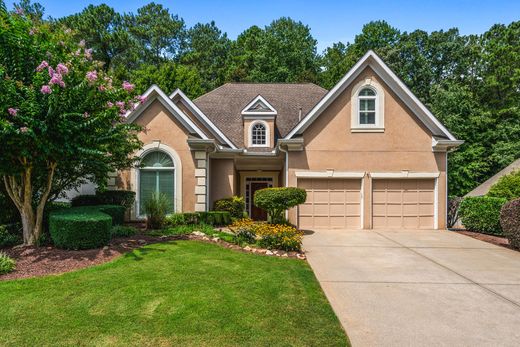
(260, 108)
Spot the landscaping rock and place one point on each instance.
(268, 252)
(198, 233)
(141, 241)
(105, 248)
(285, 255)
(216, 239)
(205, 238)
(247, 248)
(300, 256)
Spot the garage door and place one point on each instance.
(331, 203)
(403, 203)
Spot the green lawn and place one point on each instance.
(185, 293)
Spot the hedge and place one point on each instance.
(80, 228)
(277, 200)
(84, 200)
(116, 212)
(482, 214)
(235, 205)
(507, 187)
(510, 222)
(125, 198)
(216, 218)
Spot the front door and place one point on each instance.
(256, 212)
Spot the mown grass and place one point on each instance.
(183, 293)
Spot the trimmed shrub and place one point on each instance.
(84, 200)
(217, 218)
(175, 219)
(7, 264)
(510, 222)
(10, 235)
(117, 212)
(235, 205)
(507, 187)
(80, 228)
(453, 210)
(123, 231)
(125, 198)
(191, 218)
(156, 208)
(481, 214)
(277, 200)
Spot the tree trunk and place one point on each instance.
(20, 190)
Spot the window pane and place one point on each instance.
(147, 187)
(258, 134)
(367, 117)
(157, 159)
(367, 92)
(167, 186)
(367, 105)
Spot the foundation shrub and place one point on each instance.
(482, 214)
(7, 264)
(235, 205)
(275, 201)
(510, 222)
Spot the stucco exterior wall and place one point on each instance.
(405, 144)
(222, 181)
(160, 125)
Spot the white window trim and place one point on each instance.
(152, 147)
(267, 133)
(379, 125)
(329, 174)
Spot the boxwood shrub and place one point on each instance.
(216, 218)
(510, 222)
(80, 228)
(482, 214)
(235, 205)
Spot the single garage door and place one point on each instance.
(403, 203)
(331, 203)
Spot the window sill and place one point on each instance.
(367, 130)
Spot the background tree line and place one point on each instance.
(470, 82)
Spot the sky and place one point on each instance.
(330, 21)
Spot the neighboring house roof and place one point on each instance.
(483, 189)
(370, 59)
(224, 105)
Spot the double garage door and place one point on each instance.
(395, 203)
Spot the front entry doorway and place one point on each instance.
(252, 185)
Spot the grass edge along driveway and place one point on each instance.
(186, 293)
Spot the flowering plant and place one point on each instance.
(62, 117)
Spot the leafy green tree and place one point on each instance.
(244, 52)
(160, 34)
(169, 76)
(60, 117)
(208, 51)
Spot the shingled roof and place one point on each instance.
(223, 105)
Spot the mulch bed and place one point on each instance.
(42, 261)
(496, 240)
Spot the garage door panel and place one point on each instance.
(331, 203)
(403, 203)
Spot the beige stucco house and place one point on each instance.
(368, 152)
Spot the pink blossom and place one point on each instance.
(110, 104)
(88, 54)
(42, 66)
(46, 89)
(128, 86)
(24, 129)
(122, 111)
(57, 79)
(101, 88)
(92, 75)
(82, 43)
(51, 71)
(86, 115)
(77, 53)
(142, 99)
(62, 69)
(120, 104)
(12, 111)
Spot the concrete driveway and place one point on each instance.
(418, 288)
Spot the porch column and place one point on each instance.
(201, 186)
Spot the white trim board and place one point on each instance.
(155, 93)
(370, 59)
(404, 174)
(329, 174)
(202, 117)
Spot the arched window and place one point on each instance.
(156, 175)
(367, 106)
(259, 134)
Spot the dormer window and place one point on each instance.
(259, 135)
(367, 107)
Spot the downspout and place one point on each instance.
(286, 180)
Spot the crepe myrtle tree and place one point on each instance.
(275, 201)
(61, 117)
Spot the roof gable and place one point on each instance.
(259, 106)
(390, 78)
(155, 93)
